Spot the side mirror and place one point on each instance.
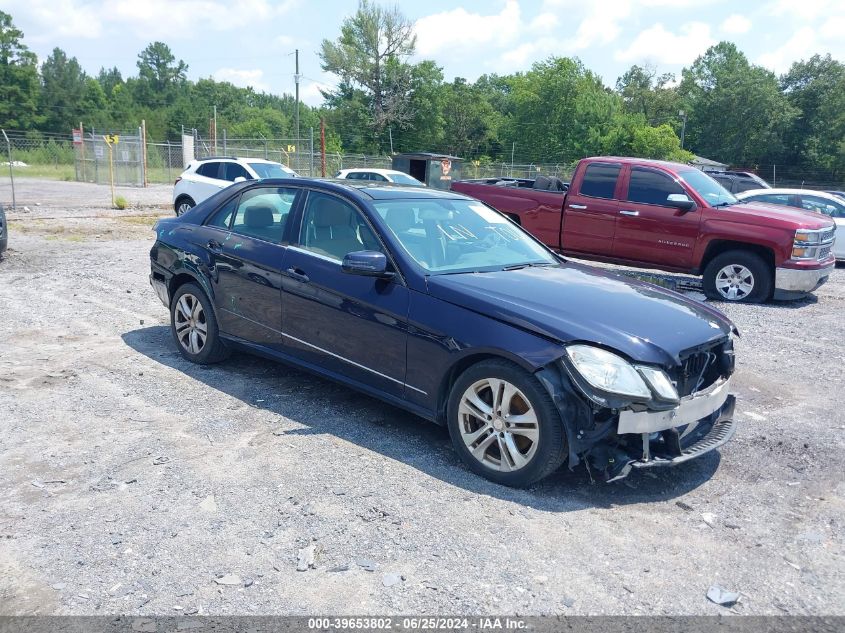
(366, 263)
(240, 179)
(680, 201)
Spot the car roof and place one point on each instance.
(375, 170)
(647, 162)
(364, 188)
(784, 191)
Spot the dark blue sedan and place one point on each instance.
(440, 305)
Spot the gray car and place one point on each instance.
(4, 231)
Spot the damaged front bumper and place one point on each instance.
(676, 444)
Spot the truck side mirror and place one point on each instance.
(680, 201)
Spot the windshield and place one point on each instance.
(707, 188)
(458, 236)
(404, 179)
(273, 170)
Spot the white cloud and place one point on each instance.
(459, 29)
(151, 19)
(544, 22)
(807, 10)
(735, 24)
(243, 78)
(657, 44)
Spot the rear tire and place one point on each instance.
(194, 327)
(183, 204)
(504, 424)
(739, 277)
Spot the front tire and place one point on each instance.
(504, 424)
(183, 205)
(739, 277)
(194, 327)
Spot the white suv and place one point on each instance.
(206, 176)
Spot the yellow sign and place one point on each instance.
(291, 148)
(112, 139)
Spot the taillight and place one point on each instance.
(177, 181)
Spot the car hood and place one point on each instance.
(574, 302)
(766, 214)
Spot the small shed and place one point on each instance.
(706, 164)
(435, 170)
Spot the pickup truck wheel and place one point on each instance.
(738, 276)
(504, 424)
(194, 327)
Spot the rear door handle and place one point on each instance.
(214, 246)
(577, 206)
(627, 212)
(298, 274)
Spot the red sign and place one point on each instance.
(77, 137)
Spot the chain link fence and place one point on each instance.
(59, 157)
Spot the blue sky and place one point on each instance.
(250, 42)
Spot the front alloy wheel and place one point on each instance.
(739, 276)
(504, 424)
(498, 425)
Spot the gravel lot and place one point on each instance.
(134, 482)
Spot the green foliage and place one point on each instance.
(737, 112)
(18, 79)
(63, 89)
(120, 203)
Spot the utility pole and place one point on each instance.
(683, 116)
(390, 131)
(296, 78)
(215, 130)
(513, 149)
(322, 147)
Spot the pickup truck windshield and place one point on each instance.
(458, 236)
(707, 188)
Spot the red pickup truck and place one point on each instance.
(655, 214)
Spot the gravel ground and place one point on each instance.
(133, 482)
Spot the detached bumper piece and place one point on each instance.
(674, 446)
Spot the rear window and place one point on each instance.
(600, 180)
(651, 187)
(209, 170)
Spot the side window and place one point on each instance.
(378, 177)
(263, 213)
(222, 218)
(234, 170)
(209, 170)
(651, 187)
(725, 181)
(354, 175)
(774, 198)
(819, 205)
(333, 228)
(746, 185)
(600, 181)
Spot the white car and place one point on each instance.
(808, 200)
(206, 176)
(379, 175)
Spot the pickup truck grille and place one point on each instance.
(827, 236)
(824, 252)
(701, 368)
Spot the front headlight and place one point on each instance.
(607, 371)
(658, 379)
(807, 237)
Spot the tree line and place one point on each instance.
(556, 111)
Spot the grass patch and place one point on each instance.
(120, 203)
(140, 220)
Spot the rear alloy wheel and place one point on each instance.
(504, 424)
(183, 205)
(738, 276)
(194, 327)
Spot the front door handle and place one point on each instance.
(214, 246)
(577, 206)
(298, 274)
(627, 212)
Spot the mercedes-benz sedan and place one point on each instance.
(440, 305)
